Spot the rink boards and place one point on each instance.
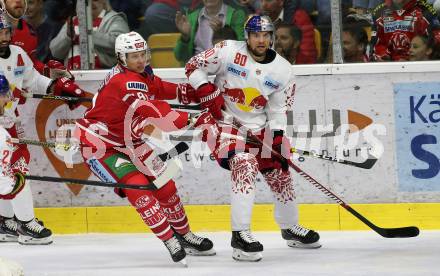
(390, 110)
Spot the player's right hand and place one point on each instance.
(186, 94)
(211, 98)
(207, 124)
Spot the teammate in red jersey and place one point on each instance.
(110, 137)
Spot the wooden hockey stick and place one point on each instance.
(400, 232)
(81, 99)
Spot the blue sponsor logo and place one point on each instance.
(398, 25)
(271, 83)
(417, 113)
(19, 71)
(237, 70)
(135, 85)
(100, 171)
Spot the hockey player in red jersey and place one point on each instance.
(17, 214)
(129, 99)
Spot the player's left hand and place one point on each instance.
(66, 87)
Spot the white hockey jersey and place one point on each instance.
(255, 94)
(21, 74)
(7, 180)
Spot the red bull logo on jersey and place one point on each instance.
(247, 99)
(135, 85)
(237, 71)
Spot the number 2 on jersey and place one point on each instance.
(240, 59)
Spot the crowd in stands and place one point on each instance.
(372, 31)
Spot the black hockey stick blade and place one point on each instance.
(367, 164)
(178, 149)
(399, 232)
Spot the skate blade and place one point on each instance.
(195, 252)
(26, 240)
(184, 262)
(8, 238)
(297, 244)
(243, 256)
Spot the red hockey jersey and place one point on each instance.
(125, 104)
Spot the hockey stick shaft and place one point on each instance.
(178, 149)
(150, 186)
(81, 99)
(368, 164)
(42, 144)
(401, 232)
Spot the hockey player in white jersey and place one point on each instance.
(17, 218)
(253, 86)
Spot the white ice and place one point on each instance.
(343, 253)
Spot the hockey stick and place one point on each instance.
(367, 164)
(53, 145)
(160, 181)
(150, 186)
(400, 232)
(81, 99)
(176, 150)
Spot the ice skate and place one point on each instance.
(246, 247)
(8, 230)
(195, 245)
(301, 237)
(33, 233)
(176, 250)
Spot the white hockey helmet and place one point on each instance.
(130, 43)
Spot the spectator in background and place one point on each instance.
(22, 35)
(197, 28)
(45, 28)
(287, 41)
(107, 25)
(422, 48)
(250, 6)
(160, 15)
(225, 33)
(394, 32)
(133, 9)
(299, 18)
(365, 6)
(354, 43)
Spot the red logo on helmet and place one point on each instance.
(236, 95)
(258, 102)
(139, 45)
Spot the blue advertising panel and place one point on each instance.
(417, 115)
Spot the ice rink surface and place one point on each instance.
(343, 253)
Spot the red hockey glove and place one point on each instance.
(66, 87)
(186, 93)
(281, 145)
(211, 98)
(54, 69)
(207, 124)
